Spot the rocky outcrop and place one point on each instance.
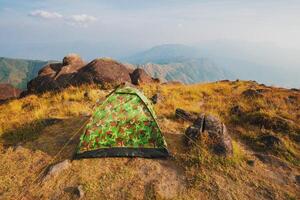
(73, 71)
(55, 76)
(140, 76)
(7, 92)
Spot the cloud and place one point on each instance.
(80, 20)
(45, 14)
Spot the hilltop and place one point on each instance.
(18, 72)
(262, 121)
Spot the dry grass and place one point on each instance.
(43, 123)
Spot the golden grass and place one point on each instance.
(25, 121)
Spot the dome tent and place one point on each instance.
(124, 124)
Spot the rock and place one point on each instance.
(295, 89)
(297, 178)
(224, 81)
(192, 134)
(269, 141)
(79, 192)
(102, 71)
(236, 110)
(251, 93)
(182, 114)
(18, 147)
(8, 92)
(76, 192)
(264, 121)
(220, 141)
(250, 162)
(217, 131)
(72, 59)
(154, 99)
(173, 83)
(272, 160)
(55, 76)
(56, 169)
(140, 76)
(293, 99)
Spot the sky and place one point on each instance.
(50, 29)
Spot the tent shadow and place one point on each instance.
(48, 135)
(175, 142)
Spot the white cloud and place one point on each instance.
(81, 20)
(45, 14)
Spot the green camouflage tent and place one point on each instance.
(124, 124)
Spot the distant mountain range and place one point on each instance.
(175, 62)
(167, 62)
(18, 72)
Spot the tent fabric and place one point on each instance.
(124, 124)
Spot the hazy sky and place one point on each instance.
(47, 29)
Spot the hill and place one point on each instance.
(188, 71)
(18, 72)
(262, 121)
(175, 62)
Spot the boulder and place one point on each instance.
(7, 92)
(140, 76)
(73, 71)
(55, 76)
(72, 59)
(102, 71)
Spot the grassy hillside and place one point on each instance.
(189, 71)
(35, 128)
(19, 71)
(175, 62)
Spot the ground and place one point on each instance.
(41, 130)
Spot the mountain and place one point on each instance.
(18, 72)
(164, 54)
(176, 62)
(8, 92)
(188, 71)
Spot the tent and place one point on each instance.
(124, 124)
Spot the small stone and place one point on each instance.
(79, 191)
(297, 178)
(56, 169)
(154, 99)
(250, 162)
